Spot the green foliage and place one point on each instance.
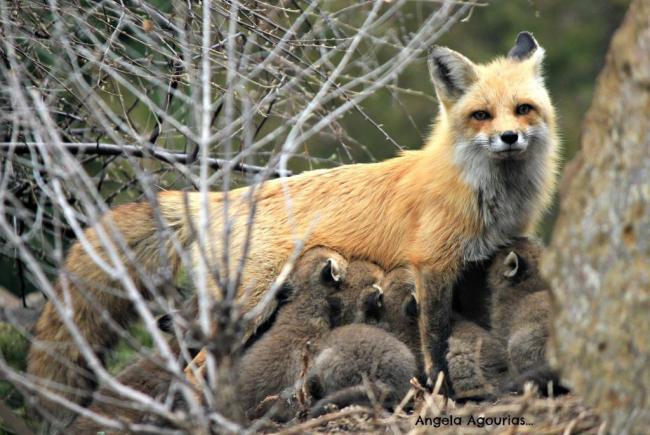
(13, 348)
(125, 353)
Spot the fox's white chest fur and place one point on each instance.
(508, 192)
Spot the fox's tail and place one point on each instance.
(99, 304)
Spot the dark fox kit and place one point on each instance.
(342, 353)
(511, 349)
(520, 313)
(360, 299)
(273, 364)
(357, 362)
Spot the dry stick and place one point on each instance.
(429, 402)
(573, 423)
(111, 251)
(410, 395)
(315, 422)
(154, 331)
(405, 57)
(105, 149)
(527, 397)
(340, 90)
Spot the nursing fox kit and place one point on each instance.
(484, 176)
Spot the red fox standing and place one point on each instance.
(485, 175)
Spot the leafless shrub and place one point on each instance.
(104, 102)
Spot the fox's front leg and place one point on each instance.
(434, 295)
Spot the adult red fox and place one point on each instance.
(484, 176)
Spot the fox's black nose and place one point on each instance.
(509, 137)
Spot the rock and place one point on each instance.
(7, 299)
(12, 310)
(599, 258)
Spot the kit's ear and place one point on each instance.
(511, 265)
(410, 306)
(451, 73)
(331, 272)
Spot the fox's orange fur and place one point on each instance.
(421, 208)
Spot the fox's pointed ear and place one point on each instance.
(526, 48)
(410, 306)
(331, 273)
(451, 73)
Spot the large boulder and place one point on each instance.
(599, 258)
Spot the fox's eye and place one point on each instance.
(481, 115)
(523, 109)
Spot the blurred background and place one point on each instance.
(575, 35)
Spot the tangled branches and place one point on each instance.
(111, 101)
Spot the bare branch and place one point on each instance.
(105, 149)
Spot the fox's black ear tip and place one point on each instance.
(526, 39)
(525, 34)
(525, 45)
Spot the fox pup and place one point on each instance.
(360, 299)
(520, 312)
(351, 353)
(476, 360)
(472, 370)
(376, 303)
(151, 378)
(484, 176)
(274, 362)
(401, 309)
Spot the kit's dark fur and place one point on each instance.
(476, 360)
(510, 319)
(273, 365)
(520, 314)
(358, 363)
(360, 299)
